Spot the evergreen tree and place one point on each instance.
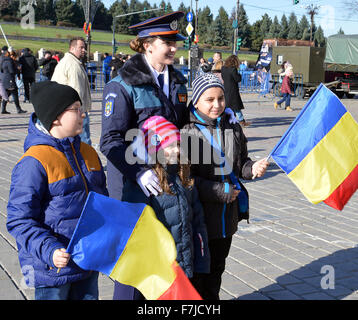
(11, 8)
(265, 25)
(293, 28)
(79, 14)
(340, 31)
(244, 28)
(256, 36)
(182, 23)
(284, 28)
(223, 33)
(303, 24)
(274, 29)
(220, 30)
(319, 39)
(102, 19)
(118, 8)
(65, 11)
(205, 20)
(306, 34)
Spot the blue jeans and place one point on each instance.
(85, 135)
(86, 289)
(286, 98)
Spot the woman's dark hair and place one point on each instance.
(232, 61)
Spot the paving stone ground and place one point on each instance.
(290, 250)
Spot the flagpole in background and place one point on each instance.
(3, 33)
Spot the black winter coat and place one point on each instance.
(29, 66)
(221, 217)
(49, 66)
(8, 73)
(231, 79)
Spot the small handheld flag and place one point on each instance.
(319, 151)
(129, 244)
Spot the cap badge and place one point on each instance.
(174, 25)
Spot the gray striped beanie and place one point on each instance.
(204, 82)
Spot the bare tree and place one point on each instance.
(351, 7)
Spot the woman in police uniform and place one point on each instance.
(147, 85)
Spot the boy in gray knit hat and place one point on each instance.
(223, 196)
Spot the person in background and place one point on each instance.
(70, 71)
(232, 78)
(3, 94)
(217, 56)
(116, 63)
(48, 64)
(9, 72)
(216, 69)
(286, 90)
(106, 69)
(56, 56)
(29, 67)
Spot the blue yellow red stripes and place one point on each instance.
(316, 119)
(319, 151)
(126, 242)
(95, 227)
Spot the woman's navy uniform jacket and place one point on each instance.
(128, 100)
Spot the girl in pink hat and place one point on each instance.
(177, 205)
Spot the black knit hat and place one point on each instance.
(50, 99)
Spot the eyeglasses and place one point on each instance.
(79, 110)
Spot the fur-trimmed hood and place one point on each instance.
(136, 72)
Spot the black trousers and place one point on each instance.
(208, 284)
(15, 96)
(27, 83)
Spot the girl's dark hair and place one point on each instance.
(183, 173)
(232, 61)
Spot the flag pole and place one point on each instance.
(3, 33)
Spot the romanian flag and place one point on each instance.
(319, 151)
(129, 244)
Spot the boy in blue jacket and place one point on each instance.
(49, 187)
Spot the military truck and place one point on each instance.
(336, 66)
(341, 63)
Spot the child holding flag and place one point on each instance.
(49, 187)
(224, 198)
(177, 206)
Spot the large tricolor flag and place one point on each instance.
(319, 151)
(126, 242)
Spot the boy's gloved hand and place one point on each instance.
(149, 183)
(232, 115)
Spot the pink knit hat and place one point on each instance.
(159, 133)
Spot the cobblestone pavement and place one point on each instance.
(290, 250)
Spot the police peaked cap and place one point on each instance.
(164, 26)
